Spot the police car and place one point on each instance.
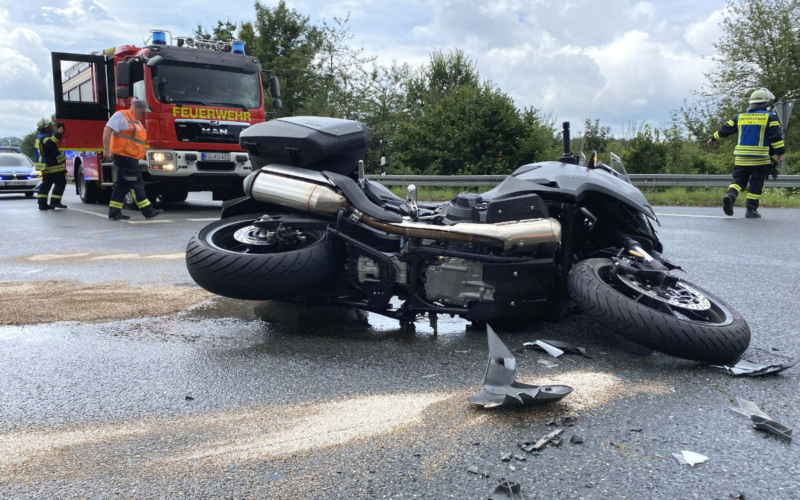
(17, 174)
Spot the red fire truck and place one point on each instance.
(203, 94)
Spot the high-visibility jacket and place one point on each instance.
(760, 136)
(132, 142)
(46, 156)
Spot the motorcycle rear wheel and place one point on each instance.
(225, 266)
(711, 332)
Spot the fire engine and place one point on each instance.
(203, 93)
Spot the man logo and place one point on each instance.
(213, 130)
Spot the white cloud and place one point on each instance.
(18, 117)
(703, 34)
(3, 15)
(25, 72)
(643, 9)
(78, 10)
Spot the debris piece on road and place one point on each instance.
(747, 408)
(753, 370)
(762, 421)
(555, 348)
(547, 363)
(637, 429)
(776, 429)
(485, 473)
(500, 387)
(520, 457)
(549, 438)
(689, 458)
(576, 439)
(473, 469)
(506, 490)
(189, 398)
(512, 468)
(506, 457)
(475, 442)
(737, 495)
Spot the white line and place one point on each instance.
(147, 221)
(700, 216)
(88, 212)
(203, 220)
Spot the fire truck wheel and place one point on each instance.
(88, 191)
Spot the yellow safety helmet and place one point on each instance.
(44, 123)
(761, 96)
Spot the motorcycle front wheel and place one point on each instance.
(227, 258)
(684, 320)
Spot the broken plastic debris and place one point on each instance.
(500, 386)
(549, 438)
(547, 363)
(473, 469)
(576, 439)
(555, 348)
(689, 458)
(506, 457)
(747, 408)
(776, 429)
(753, 370)
(762, 421)
(506, 490)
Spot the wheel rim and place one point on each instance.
(685, 301)
(242, 237)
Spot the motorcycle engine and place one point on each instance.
(457, 281)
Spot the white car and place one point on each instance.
(17, 173)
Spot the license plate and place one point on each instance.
(16, 183)
(216, 156)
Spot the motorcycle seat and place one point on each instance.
(359, 199)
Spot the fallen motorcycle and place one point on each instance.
(313, 229)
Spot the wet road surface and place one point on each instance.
(233, 399)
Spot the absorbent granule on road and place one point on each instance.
(239, 435)
(33, 302)
(77, 258)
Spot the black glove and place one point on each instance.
(773, 171)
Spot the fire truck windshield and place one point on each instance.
(207, 85)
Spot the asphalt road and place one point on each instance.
(237, 400)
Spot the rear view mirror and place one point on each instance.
(123, 74)
(276, 104)
(123, 93)
(155, 61)
(274, 87)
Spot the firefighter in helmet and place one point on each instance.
(759, 137)
(51, 163)
(125, 140)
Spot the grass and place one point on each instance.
(674, 196)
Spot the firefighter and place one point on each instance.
(51, 162)
(760, 136)
(125, 138)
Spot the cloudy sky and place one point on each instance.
(617, 60)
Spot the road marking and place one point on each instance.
(204, 220)
(699, 216)
(128, 221)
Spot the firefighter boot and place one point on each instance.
(57, 204)
(117, 215)
(155, 213)
(728, 201)
(43, 203)
(752, 213)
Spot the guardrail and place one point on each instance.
(641, 180)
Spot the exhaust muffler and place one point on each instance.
(295, 193)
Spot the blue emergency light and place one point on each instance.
(238, 47)
(159, 38)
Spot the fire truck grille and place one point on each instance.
(208, 132)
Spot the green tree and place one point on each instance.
(645, 153)
(595, 136)
(27, 143)
(225, 31)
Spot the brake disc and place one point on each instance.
(251, 235)
(681, 295)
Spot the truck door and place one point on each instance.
(83, 103)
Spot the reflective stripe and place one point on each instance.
(115, 204)
(42, 196)
(751, 196)
(55, 196)
(137, 141)
(736, 187)
(142, 204)
(778, 144)
(716, 136)
(774, 124)
(731, 123)
(746, 161)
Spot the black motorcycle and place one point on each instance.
(313, 229)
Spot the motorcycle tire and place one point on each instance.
(721, 337)
(258, 276)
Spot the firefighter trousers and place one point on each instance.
(56, 181)
(755, 175)
(129, 180)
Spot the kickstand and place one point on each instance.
(433, 319)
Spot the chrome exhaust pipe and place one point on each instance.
(294, 193)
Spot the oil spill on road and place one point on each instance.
(34, 302)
